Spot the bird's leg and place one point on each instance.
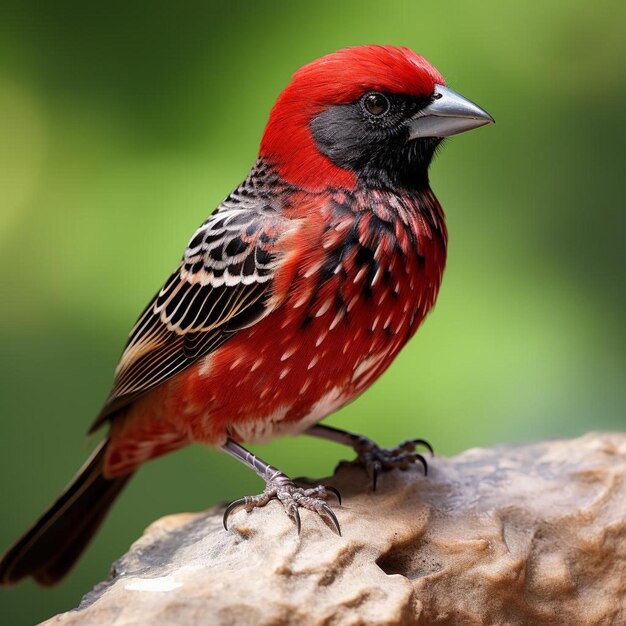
(280, 487)
(370, 456)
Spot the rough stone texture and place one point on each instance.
(511, 535)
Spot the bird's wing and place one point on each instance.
(224, 282)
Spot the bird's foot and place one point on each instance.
(292, 498)
(376, 459)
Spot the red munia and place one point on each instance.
(291, 299)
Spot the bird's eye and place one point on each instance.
(375, 103)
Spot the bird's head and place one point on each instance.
(373, 114)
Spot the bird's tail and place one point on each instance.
(51, 547)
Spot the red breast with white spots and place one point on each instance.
(362, 286)
(368, 269)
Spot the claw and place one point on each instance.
(376, 468)
(422, 460)
(335, 492)
(375, 460)
(292, 498)
(333, 518)
(422, 442)
(231, 508)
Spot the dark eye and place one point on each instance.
(375, 103)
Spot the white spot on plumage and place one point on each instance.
(235, 363)
(287, 353)
(382, 297)
(301, 300)
(337, 319)
(376, 276)
(352, 302)
(313, 361)
(264, 428)
(360, 274)
(284, 373)
(321, 338)
(375, 323)
(256, 364)
(315, 267)
(368, 364)
(205, 366)
(328, 403)
(327, 304)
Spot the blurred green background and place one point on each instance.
(121, 127)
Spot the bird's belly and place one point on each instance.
(284, 421)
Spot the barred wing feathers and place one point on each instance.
(224, 282)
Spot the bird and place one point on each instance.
(291, 299)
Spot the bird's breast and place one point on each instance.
(369, 276)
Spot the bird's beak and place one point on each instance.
(448, 114)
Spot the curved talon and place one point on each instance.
(329, 513)
(376, 460)
(422, 460)
(335, 492)
(292, 499)
(231, 509)
(422, 442)
(376, 469)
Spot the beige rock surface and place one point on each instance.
(509, 535)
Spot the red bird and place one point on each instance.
(291, 299)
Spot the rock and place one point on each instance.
(532, 534)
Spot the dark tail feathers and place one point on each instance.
(52, 546)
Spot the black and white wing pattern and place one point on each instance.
(224, 282)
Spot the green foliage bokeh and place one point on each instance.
(121, 127)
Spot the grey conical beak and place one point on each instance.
(448, 114)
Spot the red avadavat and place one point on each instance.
(291, 299)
